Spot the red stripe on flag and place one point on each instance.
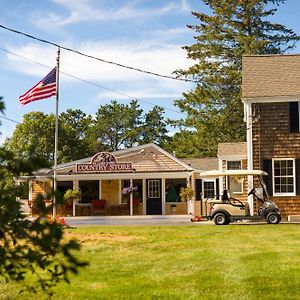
(46, 88)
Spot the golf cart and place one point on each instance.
(224, 209)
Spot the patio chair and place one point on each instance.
(98, 207)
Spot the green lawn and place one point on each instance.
(184, 262)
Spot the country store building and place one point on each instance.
(143, 180)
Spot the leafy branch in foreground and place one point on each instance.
(33, 249)
(32, 253)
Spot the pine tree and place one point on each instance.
(235, 28)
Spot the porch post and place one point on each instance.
(131, 199)
(144, 196)
(100, 189)
(163, 198)
(30, 190)
(75, 187)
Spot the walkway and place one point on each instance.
(129, 220)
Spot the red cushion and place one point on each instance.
(98, 203)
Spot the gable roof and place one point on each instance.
(203, 164)
(232, 149)
(144, 158)
(270, 76)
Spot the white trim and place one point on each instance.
(130, 198)
(163, 196)
(154, 182)
(227, 177)
(209, 180)
(248, 111)
(144, 196)
(30, 190)
(294, 178)
(120, 190)
(232, 157)
(221, 181)
(111, 176)
(271, 99)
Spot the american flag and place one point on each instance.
(43, 89)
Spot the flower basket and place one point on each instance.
(129, 189)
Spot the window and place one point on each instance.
(153, 189)
(209, 189)
(234, 184)
(294, 116)
(284, 177)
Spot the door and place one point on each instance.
(153, 202)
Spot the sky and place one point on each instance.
(145, 34)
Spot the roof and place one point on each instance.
(232, 149)
(270, 76)
(216, 173)
(145, 158)
(207, 163)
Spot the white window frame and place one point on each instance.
(156, 192)
(294, 177)
(209, 180)
(242, 180)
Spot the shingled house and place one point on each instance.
(271, 94)
(143, 180)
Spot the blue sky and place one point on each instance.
(145, 34)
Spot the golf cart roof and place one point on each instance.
(216, 173)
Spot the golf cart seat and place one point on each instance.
(225, 196)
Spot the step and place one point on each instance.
(294, 218)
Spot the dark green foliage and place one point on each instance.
(115, 126)
(233, 29)
(154, 127)
(118, 125)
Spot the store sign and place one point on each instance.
(103, 162)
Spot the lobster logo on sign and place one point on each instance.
(103, 162)
(103, 157)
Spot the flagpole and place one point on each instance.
(56, 134)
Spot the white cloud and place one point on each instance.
(84, 10)
(151, 56)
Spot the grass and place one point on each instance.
(183, 262)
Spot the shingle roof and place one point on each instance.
(145, 158)
(232, 149)
(271, 75)
(204, 164)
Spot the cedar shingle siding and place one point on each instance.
(272, 84)
(272, 138)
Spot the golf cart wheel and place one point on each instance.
(273, 218)
(221, 219)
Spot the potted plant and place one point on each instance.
(72, 195)
(186, 194)
(173, 208)
(70, 198)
